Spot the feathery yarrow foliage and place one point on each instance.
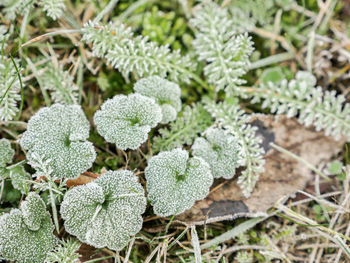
(165, 93)
(136, 54)
(105, 212)
(65, 252)
(53, 8)
(9, 89)
(127, 120)
(184, 130)
(234, 120)
(220, 150)
(26, 234)
(60, 83)
(58, 135)
(226, 54)
(299, 97)
(175, 181)
(12, 8)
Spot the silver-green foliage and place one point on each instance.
(300, 97)
(234, 120)
(12, 8)
(6, 152)
(65, 252)
(175, 181)
(26, 233)
(220, 150)
(58, 134)
(216, 42)
(53, 8)
(9, 89)
(127, 120)
(136, 54)
(165, 93)
(60, 83)
(184, 130)
(20, 179)
(105, 212)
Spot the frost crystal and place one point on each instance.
(220, 150)
(166, 94)
(175, 182)
(6, 152)
(19, 178)
(106, 212)
(26, 233)
(127, 120)
(59, 133)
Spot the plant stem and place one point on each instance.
(106, 10)
(54, 209)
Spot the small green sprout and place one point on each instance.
(175, 182)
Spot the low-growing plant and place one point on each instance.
(187, 123)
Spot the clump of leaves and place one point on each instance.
(175, 181)
(105, 212)
(26, 234)
(165, 93)
(127, 120)
(59, 134)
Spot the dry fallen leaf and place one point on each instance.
(283, 175)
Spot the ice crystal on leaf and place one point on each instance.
(166, 94)
(127, 120)
(175, 181)
(19, 178)
(220, 150)
(26, 233)
(59, 133)
(106, 212)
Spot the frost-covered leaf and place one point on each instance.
(165, 93)
(59, 134)
(6, 152)
(325, 110)
(220, 150)
(227, 54)
(66, 252)
(9, 89)
(105, 212)
(19, 178)
(27, 243)
(136, 54)
(60, 83)
(175, 181)
(127, 120)
(53, 8)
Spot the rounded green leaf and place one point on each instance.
(106, 212)
(59, 133)
(175, 181)
(127, 120)
(220, 150)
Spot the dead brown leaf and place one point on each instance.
(283, 175)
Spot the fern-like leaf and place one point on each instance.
(226, 54)
(136, 55)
